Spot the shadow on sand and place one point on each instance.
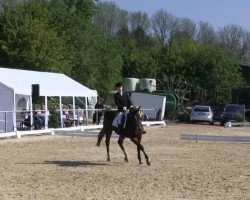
(67, 163)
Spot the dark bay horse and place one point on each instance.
(133, 130)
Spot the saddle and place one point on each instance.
(125, 124)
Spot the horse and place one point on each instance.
(133, 130)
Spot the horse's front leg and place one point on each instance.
(139, 154)
(141, 148)
(120, 142)
(146, 156)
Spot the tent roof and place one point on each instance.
(51, 84)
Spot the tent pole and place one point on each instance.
(14, 111)
(46, 112)
(31, 112)
(74, 108)
(60, 106)
(86, 106)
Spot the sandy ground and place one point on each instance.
(47, 167)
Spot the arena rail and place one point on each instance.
(237, 124)
(215, 138)
(149, 123)
(69, 131)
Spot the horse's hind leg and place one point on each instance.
(140, 147)
(107, 141)
(99, 138)
(120, 142)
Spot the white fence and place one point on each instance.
(237, 124)
(215, 138)
(70, 131)
(74, 131)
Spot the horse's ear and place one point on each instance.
(139, 108)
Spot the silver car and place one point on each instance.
(202, 113)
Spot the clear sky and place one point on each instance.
(218, 13)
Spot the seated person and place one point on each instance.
(40, 116)
(67, 119)
(26, 121)
(123, 102)
(79, 115)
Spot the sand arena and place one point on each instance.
(47, 167)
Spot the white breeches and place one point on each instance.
(118, 119)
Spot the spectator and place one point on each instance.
(40, 116)
(67, 118)
(98, 113)
(80, 115)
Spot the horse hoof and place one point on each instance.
(108, 159)
(148, 163)
(141, 162)
(126, 159)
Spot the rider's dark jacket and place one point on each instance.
(122, 100)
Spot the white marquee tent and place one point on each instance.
(16, 85)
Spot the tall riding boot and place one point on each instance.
(121, 132)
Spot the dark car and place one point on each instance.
(232, 112)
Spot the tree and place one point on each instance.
(164, 25)
(110, 18)
(177, 57)
(204, 68)
(98, 61)
(218, 72)
(137, 62)
(96, 58)
(139, 19)
(143, 41)
(186, 27)
(28, 41)
(206, 34)
(234, 38)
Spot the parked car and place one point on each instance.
(232, 112)
(201, 113)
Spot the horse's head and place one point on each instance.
(135, 111)
(134, 118)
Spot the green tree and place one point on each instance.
(110, 18)
(177, 57)
(204, 68)
(218, 72)
(138, 63)
(28, 41)
(98, 61)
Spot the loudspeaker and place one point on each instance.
(35, 91)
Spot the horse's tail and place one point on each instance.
(107, 125)
(100, 136)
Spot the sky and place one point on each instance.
(218, 13)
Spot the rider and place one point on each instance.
(123, 102)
